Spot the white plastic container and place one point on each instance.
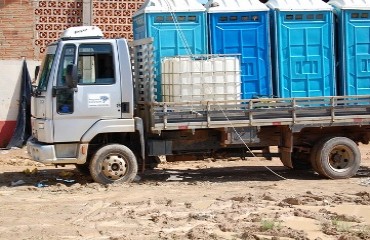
(202, 78)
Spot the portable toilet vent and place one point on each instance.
(353, 46)
(242, 27)
(304, 48)
(178, 27)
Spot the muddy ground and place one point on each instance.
(211, 199)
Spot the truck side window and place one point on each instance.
(68, 56)
(95, 64)
(64, 97)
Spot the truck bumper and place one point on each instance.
(41, 152)
(47, 153)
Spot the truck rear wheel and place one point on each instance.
(113, 163)
(315, 153)
(337, 158)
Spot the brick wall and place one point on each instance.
(115, 17)
(16, 29)
(28, 26)
(51, 18)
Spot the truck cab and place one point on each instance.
(84, 95)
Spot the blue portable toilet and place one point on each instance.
(178, 27)
(353, 46)
(303, 49)
(242, 27)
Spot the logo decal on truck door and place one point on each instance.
(99, 100)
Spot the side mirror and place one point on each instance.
(71, 76)
(37, 70)
(34, 90)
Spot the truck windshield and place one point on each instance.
(46, 68)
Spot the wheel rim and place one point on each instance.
(341, 158)
(114, 166)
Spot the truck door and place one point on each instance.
(97, 94)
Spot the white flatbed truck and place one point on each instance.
(93, 107)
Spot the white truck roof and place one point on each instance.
(82, 32)
(162, 6)
(351, 4)
(220, 6)
(299, 5)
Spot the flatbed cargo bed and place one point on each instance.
(294, 112)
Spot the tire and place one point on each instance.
(113, 163)
(314, 154)
(338, 158)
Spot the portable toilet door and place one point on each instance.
(304, 48)
(353, 46)
(242, 27)
(178, 27)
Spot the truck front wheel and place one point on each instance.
(113, 163)
(337, 158)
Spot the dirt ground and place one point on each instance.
(211, 199)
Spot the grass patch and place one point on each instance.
(269, 224)
(341, 226)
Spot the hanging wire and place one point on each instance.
(189, 52)
(245, 144)
(178, 29)
(182, 37)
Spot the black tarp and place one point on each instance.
(23, 127)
